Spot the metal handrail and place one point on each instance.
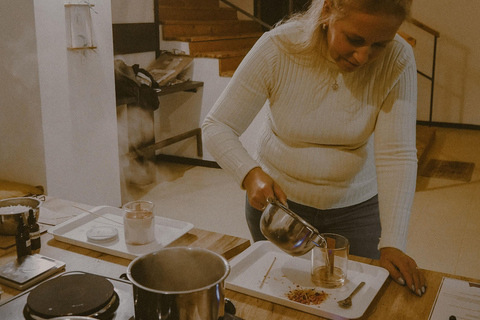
(266, 25)
(423, 26)
(436, 35)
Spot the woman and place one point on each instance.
(339, 133)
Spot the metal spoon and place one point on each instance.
(347, 302)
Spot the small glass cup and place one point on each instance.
(139, 222)
(330, 264)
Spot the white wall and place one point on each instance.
(128, 11)
(22, 154)
(68, 100)
(457, 87)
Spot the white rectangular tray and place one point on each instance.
(74, 231)
(249, 268)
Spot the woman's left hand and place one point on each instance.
(403, 269)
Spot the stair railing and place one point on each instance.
(431, 77)
(266, 25)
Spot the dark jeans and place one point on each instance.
(360, 224)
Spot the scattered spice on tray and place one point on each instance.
(307, 296)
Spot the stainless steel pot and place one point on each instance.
(179, 283)
(287, 230)
(9, 221)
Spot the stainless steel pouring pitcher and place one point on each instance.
(289, 231)
(179, 283)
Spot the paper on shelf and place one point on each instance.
(457, 298)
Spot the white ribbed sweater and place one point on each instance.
(326, 148)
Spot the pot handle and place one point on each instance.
(228, 316)
(230, 311)
(321, 243)
(230, 307)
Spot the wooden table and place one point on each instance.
(392, 302)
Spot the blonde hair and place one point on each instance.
(313, 20)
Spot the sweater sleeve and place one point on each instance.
(237, 106)
(395, 156)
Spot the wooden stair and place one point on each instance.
(210, 30)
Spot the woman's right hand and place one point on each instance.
(260, 186)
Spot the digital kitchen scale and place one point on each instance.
(29, 270)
